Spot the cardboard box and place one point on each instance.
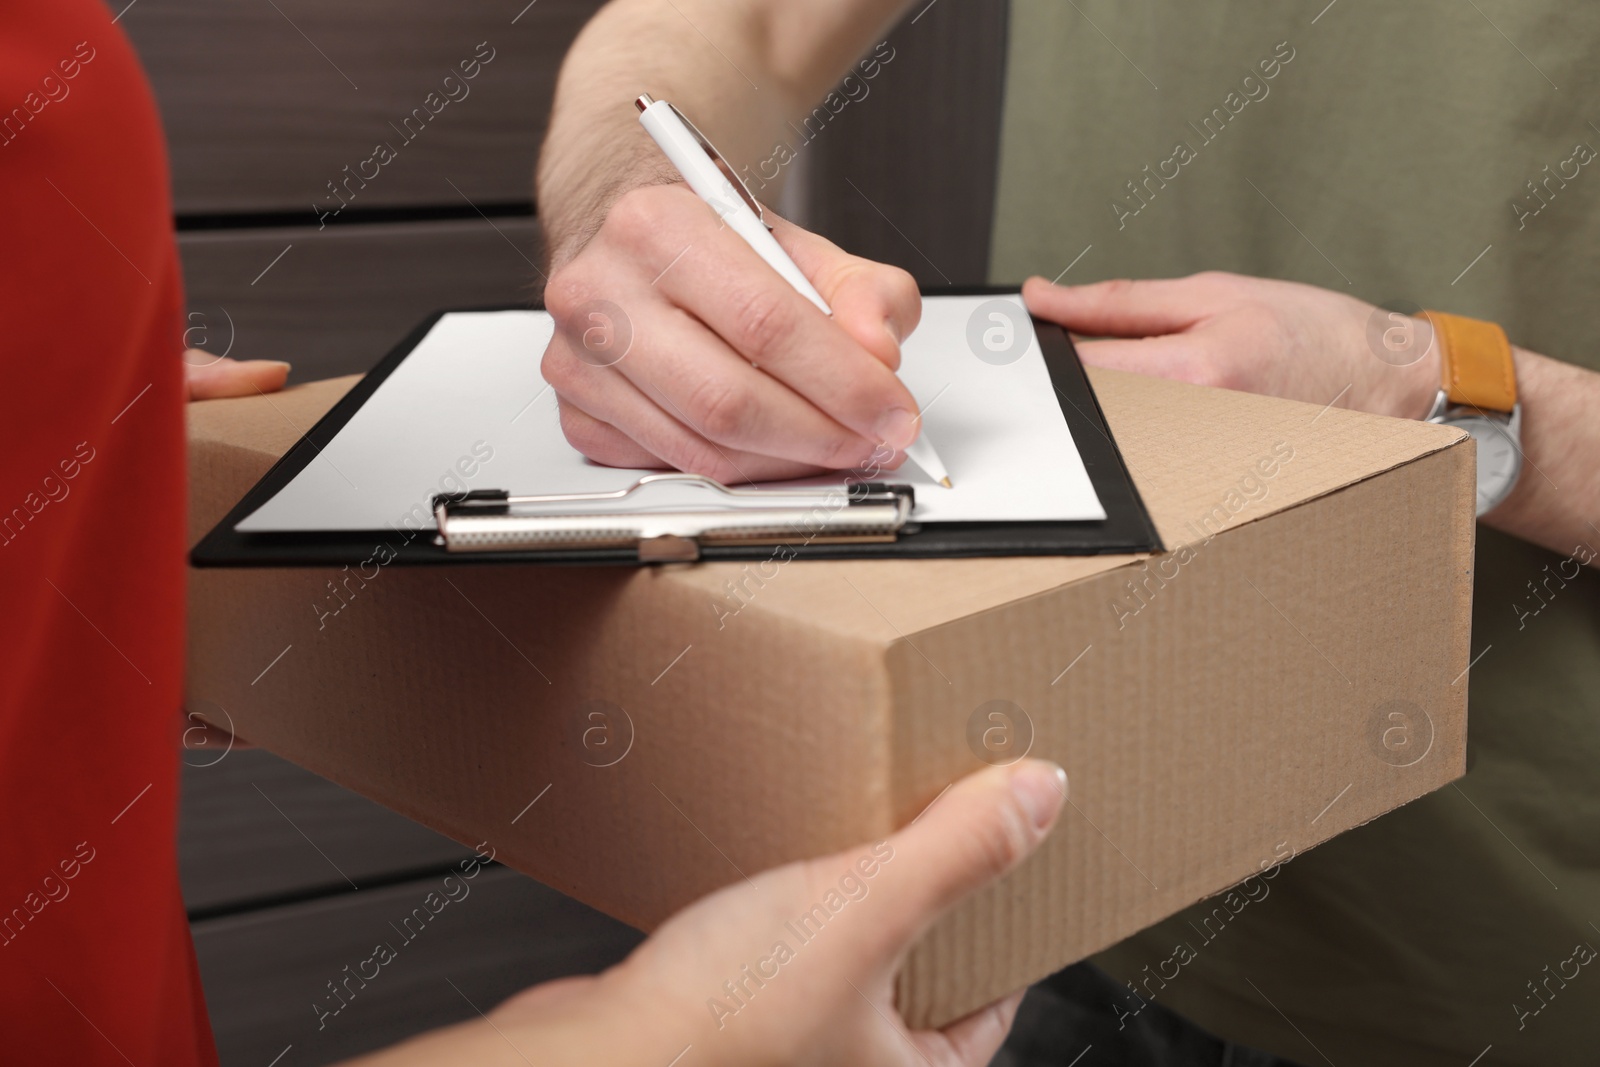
(636, 737)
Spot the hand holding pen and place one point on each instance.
(709, 175)
(678, 345)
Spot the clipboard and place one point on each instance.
(873, 519)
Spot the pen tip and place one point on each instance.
(945, 481)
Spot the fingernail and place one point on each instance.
(279, 363)
(897, 428)
(1039, 786)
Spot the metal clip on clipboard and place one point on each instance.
(493, 520)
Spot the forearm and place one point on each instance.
(598, 1022)
(1557, 499)
(741, 69)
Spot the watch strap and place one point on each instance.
(1475, 364)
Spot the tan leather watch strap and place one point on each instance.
(1475, 363)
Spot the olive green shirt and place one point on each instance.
(1441, 153)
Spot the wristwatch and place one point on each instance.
(1478, 393)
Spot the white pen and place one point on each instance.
(714, 181)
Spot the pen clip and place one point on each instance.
(722, 165)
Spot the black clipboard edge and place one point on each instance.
(1126, 529)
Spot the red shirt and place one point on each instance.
(96, 966)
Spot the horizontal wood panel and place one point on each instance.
(265, 103)
(255, 829)
(338, 299)
(263, 972)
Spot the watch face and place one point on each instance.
(1499, 459)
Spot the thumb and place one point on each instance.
(979, 829)
(876, 304)
(1118, 308)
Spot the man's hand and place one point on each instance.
(1310, 344)
(677, 346)
(687, 996)
(1234, 332)
(211, 377)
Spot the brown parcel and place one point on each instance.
(1217, 708)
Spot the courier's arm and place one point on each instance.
(743, 68)
(1557, 500)
(1306, 343)
(675, 344)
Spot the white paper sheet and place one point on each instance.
(468, 409)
